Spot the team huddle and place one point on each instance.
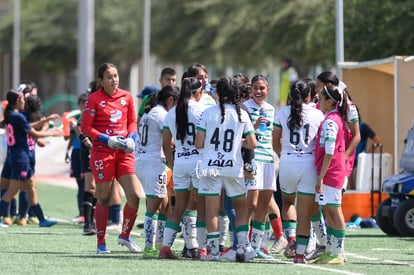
(205, 156)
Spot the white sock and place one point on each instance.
(201, 236)
(150, 225)
(169, 236)
(190, 232)
(160, 232)
(213, 242)
(223, 222)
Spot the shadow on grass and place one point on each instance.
(378, 263)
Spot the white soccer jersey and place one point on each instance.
(301, 141)
(352, 112)
(222, 144)
(150, 129)
(264, 150)
(185, 151)
(207, 100)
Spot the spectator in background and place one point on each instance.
(168, 77)
(288, 75)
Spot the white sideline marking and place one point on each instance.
(377, 259)
(317, 267)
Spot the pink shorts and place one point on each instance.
(107, 166)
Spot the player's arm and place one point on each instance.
(356, 137)
(199, 139)
(277, 140)
(249, 141)
(132, 121)
(166, 145)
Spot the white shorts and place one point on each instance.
(265, 177)
(298, 176)
(185, 176)
(234, 186)
(329, 196)
(153, 177)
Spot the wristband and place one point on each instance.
(103, 138)
(248, 167)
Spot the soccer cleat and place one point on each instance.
(3, 225)
(21, 222)
(150, 252)
(239, 255)
(166, 253)
(250, 253)
(261, 254)
(210, 257)
(88, 230)
(101, 249)
(264, 250)
(7, 220)
(128, 242)
(322, 256)
(47, 223)
(201, 253)
(314, 255)
(231, 255)
(191, 253)
(333, 259)
(290, 249)
(221, 248)
(184, 251)
(158, 246)
(278, 245)
(140, 225)
(78, 219)
(13, 218)
(33, 220)
(299, 259)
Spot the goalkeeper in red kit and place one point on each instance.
(109, 119)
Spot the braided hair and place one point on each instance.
(189, 86)
(229, 90)
(299, 91)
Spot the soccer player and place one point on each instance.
(20, 142)
(109, 119)
(150, 165)
(331, 168)
(180, 126)
(260, 190)
(294, 138)
(220, 132)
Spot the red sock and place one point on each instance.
(250, 233)
(101, 217)
(130, 214)
(277, 227)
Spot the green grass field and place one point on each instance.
(63, 250)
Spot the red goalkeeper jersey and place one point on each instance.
(111, 115)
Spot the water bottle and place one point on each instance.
(262, 113)
(210, 89)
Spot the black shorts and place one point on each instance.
(84, 159)
(75, 164)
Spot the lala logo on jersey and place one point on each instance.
(220, 162)
(102, 103)
(115, 116)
